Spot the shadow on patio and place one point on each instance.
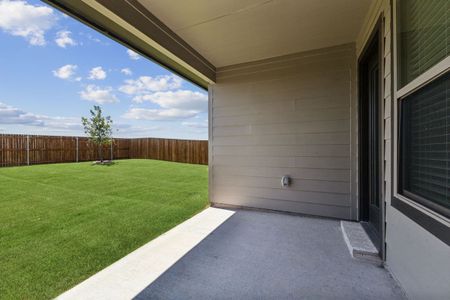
(273, 256)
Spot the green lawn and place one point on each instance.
(61, 223)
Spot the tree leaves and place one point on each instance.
(98, 127)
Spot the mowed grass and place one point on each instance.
(61, 223)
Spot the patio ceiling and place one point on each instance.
(237, 31)
(193, 38)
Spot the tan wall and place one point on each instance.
(286, 116)
(416, 258)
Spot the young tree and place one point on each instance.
(99, 129)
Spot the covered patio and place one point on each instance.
(260, 255)
(244, 255)
(310, 113)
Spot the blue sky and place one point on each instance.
(53, 69)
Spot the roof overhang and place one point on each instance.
(130, 24)
(193, 38)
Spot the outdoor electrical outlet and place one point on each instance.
(285, 181)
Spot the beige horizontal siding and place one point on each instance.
(284, 194)
(342, 163)
(280, 205)
(285, 116)
(291, 115)
(285, 151)
(335, 175)
(298, 184)
(336, 126)
(337, 101)
(285, 139)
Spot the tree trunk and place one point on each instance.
(100, 152)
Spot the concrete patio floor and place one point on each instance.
(260, 255)
(225, 254)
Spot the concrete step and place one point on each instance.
(358, 242)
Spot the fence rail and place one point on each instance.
(19, 150)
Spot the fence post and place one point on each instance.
(28, 150)
(112, 141)
(76, 149)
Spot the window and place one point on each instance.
(425, 145)
(424, 36)
(424, 113)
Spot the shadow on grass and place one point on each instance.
(105, 163)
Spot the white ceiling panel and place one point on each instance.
(228, 32)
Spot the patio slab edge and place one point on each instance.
(128, 276)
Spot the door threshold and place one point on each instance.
(372, 233)
(358, 242)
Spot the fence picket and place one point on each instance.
(17, 150)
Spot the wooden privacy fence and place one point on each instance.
(19, 150)
(186, 151)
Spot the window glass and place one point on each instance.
(425, 145)
(424, 36)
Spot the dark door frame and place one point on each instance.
(374, 45)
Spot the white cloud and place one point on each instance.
(97, 73)
(94, 39)
(158, 114)
(198, 125)
(62, 123)
(178, 104)
(126, 71)
(10, 115)
(133, 55)
(98, 95)
(31, 22)
(65, 72)
(146, 84)
(181, 99)
(13, 119)
(63, 39)
(128, 130)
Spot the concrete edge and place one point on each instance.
(128, 276)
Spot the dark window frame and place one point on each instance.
(430, 224)
(401, 190)
(417, 210)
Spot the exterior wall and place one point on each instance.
(415, 257)
(297, 115)
(292, 115)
